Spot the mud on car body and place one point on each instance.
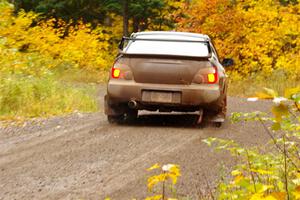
(165, 72)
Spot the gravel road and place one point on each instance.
(81, 156)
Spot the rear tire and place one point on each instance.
(130, 116)
(217, 124)
(112, 119)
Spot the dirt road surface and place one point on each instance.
(81, 156)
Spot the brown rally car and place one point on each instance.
(165, 72)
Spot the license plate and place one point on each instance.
(160, 97)
(164, 97)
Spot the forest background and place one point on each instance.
(53, 53)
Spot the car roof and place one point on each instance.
(171, 35)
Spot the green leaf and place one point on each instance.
(276, 126)
(280, 111)
(291, 93)
(236, 172)
(209, 141)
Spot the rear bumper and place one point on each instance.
(191, 95)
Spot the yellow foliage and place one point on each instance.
(168, 172)
(155, 166)
(262, 35)
(31, 51)
(27, 47)
(296, 193)
(272, 196)
(156, 197)
(154, 180)
(279, 195)
(259, 196)
(262, 171)
(174, 173)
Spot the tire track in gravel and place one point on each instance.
(125, 173)
(8, 144)
(89, 159)
(21, 145)
(122, 174)
(52, 147)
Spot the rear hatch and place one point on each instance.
(168, 70)
(169, 58)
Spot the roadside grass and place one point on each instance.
(44, 72)
(28, 97)
(248, 86)
(74, 75)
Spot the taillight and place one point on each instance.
(121, 70)
(207, 75)
(212, 77)
(116, 72)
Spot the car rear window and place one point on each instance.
(195, 49)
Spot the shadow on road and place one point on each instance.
(169, 120)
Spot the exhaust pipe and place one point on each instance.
(132, 104)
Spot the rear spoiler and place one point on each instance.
(124, 39)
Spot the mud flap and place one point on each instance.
(110, 110)
(200, 117)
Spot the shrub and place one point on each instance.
(272, 172)
(38, 57)
(27, 43)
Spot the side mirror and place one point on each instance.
(227, 62)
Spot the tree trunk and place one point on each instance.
(136, 24)
(125, 17)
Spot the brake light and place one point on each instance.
(116, 72)
(212, 77)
